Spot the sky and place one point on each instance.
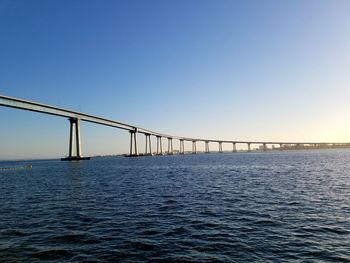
(235, 70)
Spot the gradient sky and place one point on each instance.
(260, 70)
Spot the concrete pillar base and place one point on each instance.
(132, 155)
(75, 158)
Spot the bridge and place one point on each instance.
(75, 149)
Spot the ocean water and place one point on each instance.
(243, 207)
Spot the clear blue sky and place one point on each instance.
(262, 70)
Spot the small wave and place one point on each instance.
(149, 233)
(318, 229)
(176, 231)
(143, 245)
(335, 230)
(13, 232)
(165, 208)
(171, 201)
(75, 238)
(209, 213)
(267, 223)
(53, 254)
(204, 225)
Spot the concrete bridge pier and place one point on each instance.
(159, 146)
(234, 148)
(170, 146)
(220, 147)
(148, 147)
(281, 146)
(249, 148)
(264, 147)
(207, 147)
(133, 143)
(74, 130)
(182, 147)
(194, 147)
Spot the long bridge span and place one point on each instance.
(75, 149)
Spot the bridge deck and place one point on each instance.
(48, 109)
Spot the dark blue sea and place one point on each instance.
(243, 207)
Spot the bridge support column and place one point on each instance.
(264, 147)
(71, 138)
(170, 146)
(220, 147)
(234, 148)
(74, 129)
(281, 146)
(159, 146)
(182, 147)
(148, 145)
(194, 147)
(133, 144)
(207, 147)
(249, 148)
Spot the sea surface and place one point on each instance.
(242, 207)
